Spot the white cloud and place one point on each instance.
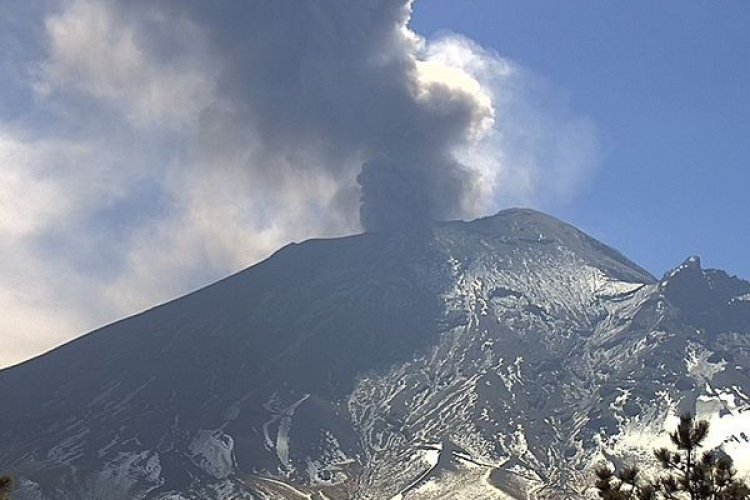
(95, 50)
(538, 152)
(29, 203)
(50, 190)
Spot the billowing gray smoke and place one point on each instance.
(339, 86)
(409, 190)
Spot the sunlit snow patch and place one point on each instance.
(213, 452)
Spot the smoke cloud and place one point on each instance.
(341, 88)
(148, 147)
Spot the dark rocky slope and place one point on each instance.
(487, 359)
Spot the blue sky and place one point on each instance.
(667, 85)
(149, 147)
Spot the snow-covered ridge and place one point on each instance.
(489, 359)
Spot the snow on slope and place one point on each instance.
(498, 358)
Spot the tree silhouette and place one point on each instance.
(6, 483)
(687, 475)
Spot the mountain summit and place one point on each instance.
(498, 358)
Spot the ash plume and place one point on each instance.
(339, 88)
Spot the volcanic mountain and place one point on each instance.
(498, 358)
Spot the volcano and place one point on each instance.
(497, 358)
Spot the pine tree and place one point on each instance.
(6, 483)
(688, 475)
